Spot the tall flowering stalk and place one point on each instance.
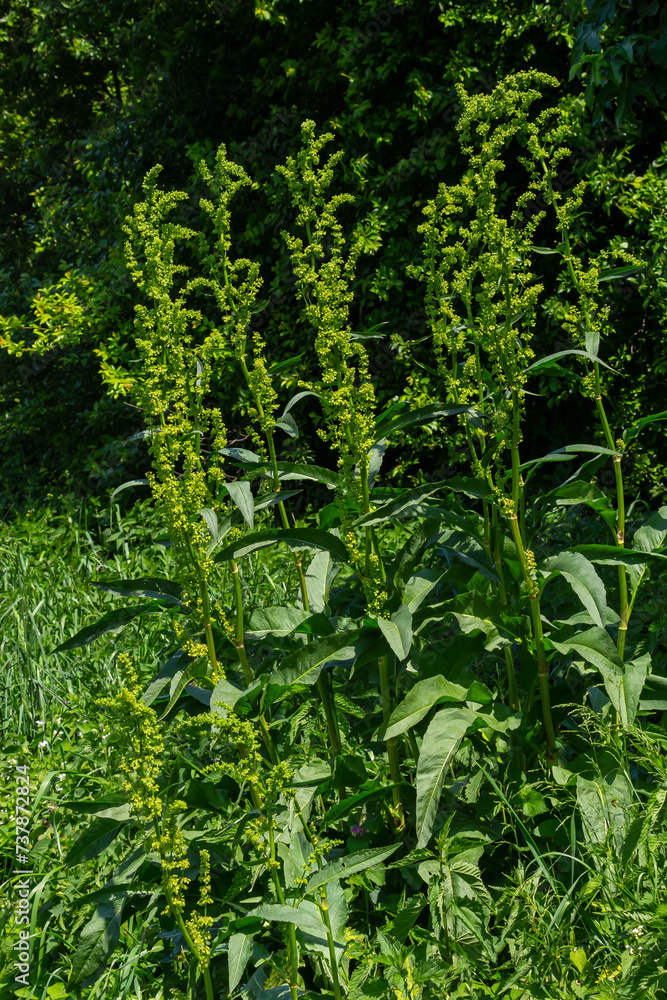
(324, 267)
(481, 298)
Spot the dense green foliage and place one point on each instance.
(357, 739)
(94, 95)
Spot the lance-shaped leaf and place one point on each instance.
(320, 575)
(418, 702)
(542, 362)
(387, 425)
(305, 665)
(470, 551)
(615, 555)
(165, 590)
(277, 620)
(93, 841)
(301, 916)
(438, 748)
(398, 631)
(349, 865)
(584, 580)
(113, 621)
(419, 586)
(287, 423)
(97, 943)
(239, 951)
(241, 495)
(564, 454)
(294, 538)
(177, 662)
(623, 682)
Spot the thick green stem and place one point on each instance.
(324, 910)
(624, 607)
(239, 643)
(538, 636)
(392, 743)
(291, 931)
(512, 687)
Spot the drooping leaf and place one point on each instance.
(113, 621)
(301, 916)
(287, 423)
(584, 580)
(536, 365)
(278, 620)
(127, 485)
(653, 532)
(615, 555)
(92, 841)
(398, 631)
(385, 427)
(320, 575)
(439, 745)
(418, 702)
(294, 538)
(166, 590)
(177, 662)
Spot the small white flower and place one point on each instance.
(43, 744)
(40, 722)
(637, 930)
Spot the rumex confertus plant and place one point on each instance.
(444, 588)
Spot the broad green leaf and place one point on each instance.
(438, 748)
(241, 495)
(106, 807)
(294, 538)
(178, 683)
(305, 665)
(298, 397)
(349, 865)
(239, 952)
(406, 917)
(278, 620)
(224, 694)
(113, 621)
(615, 555)
(419, 586)
(631, 432)
(605, 804)
(320, 575)
(173, 666)
(301, 916)
(398, 631)
(584, 580)
(211, 519)
(93, 841)
(563, 454)
(410, 553)
(97, 943)
(164, 590)
(581, 491)
(653, 532)
(418, 702)
(623, 682)
(287, 423)
(401, 506)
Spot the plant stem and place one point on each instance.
(324, 910)
(538, 636)
(291, 931)
(239, 643)
(392, 743)
(624, 608)
(512, 687)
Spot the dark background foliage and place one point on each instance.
(94, 94)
